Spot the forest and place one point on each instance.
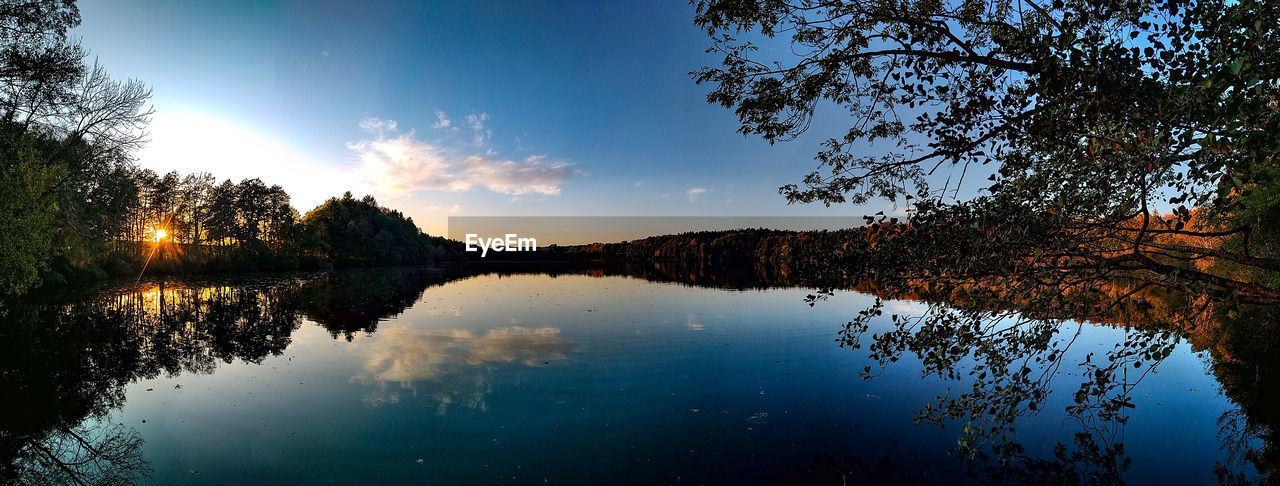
(71, 217)
(75, 207)
(182, 224)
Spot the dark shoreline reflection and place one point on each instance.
(66, 363)
(1003, 351)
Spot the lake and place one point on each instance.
(581, 376)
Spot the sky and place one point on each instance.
(451, 109)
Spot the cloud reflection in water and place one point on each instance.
(454, 361)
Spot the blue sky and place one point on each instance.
(466, 108)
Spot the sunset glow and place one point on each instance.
(699, 241)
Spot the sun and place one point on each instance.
(160, 234)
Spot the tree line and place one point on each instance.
(74, 206)
(196, 209)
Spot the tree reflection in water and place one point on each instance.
(1005, 349)
(349, 303)
(65, 368)
(66, 361)
(1006, 346)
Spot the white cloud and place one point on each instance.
(442, 121)
(903, 307)
(409, 355)
(476, 121)
(693, 193)
(440, 208)
(694, 325)
(480, 135)
(453, 364)
(378, 125)
(399, 164)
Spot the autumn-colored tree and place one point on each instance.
(1096, 118)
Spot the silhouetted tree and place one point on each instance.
(1096, 115)
(69, 129)
(222, 212)
(356, 232)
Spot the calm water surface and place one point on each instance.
(414, 376)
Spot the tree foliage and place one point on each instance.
(358, 232)
(68, 130)
(1126, 137)
(24, 210)
(1132, 147)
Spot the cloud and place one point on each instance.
(476, 121)
(438, 208)
(377, 125)
(694, 325)
(442, 121)
(408, 355)
(693, 193)
(903, 307)
(398, 164)
(456, 363)
(480, 134)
